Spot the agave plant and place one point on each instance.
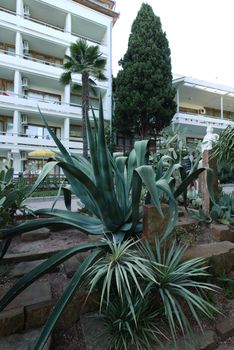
(179, 179)
(110, 187)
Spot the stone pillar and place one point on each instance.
(19, 7)
(16, 124)
(208, 163)
(68, 23)
(67, 94)
(17, 83)
(17, 163)
(18, 44)
(221, 107)
(177, 100)
(206, 198)
(66, 132)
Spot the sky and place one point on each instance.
(200, 35)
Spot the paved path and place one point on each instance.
(47, 202)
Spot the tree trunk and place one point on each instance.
(85, 110)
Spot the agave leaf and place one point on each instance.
(132, 163)
(187, 181)
(65, 299)
(9, 175)
(56, 140)
(173, 209)
(120, 182)
(80, 222)
(147, 175)
(141, 148)
(4, 245)
(67, 198)
(45, 171)
(106, 181)
(93, 149)
(161, 163)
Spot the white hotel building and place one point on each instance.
(34, 37)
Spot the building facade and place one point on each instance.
(201, 104)
(34, 37)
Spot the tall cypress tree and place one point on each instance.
(144, 91)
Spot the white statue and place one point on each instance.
(209, 139)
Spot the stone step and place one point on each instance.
(36, 235)
(30, 309)
(20, 269)
(22, 341)
(225, 328)
(221, 233)
(12, 258)
(219, 255)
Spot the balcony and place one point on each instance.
(25, 142)
(10, 100)
(197, 123)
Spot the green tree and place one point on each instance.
(87, 61)
(144, 91)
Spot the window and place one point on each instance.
(75, 131)
(6, 125)
(7, 48)
(6, 86)
(46, 58)
(40, 132)
(43, 96)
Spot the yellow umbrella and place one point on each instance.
(41, 153)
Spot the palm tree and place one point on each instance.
(87, 61)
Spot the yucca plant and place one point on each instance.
(125, 332)
(120, 272)
(180, 284)
(110, 187)
(223, 149)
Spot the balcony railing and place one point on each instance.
(201, 120)
(48, 63)
(6, 52)
(10, 138)
(99, 42)
(42, 100)
(7, 10)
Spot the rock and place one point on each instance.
(23, 268)
(184, 343)
(79, 305)
(29, 309)
(206, 341)
(24, 341)
(11, 321)
(153, 224)
(225, 328)
(219, 255)
(41, 233)
(71, 265)
(221, 233)
(37, 314)
(36, 293)
(92, 328)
